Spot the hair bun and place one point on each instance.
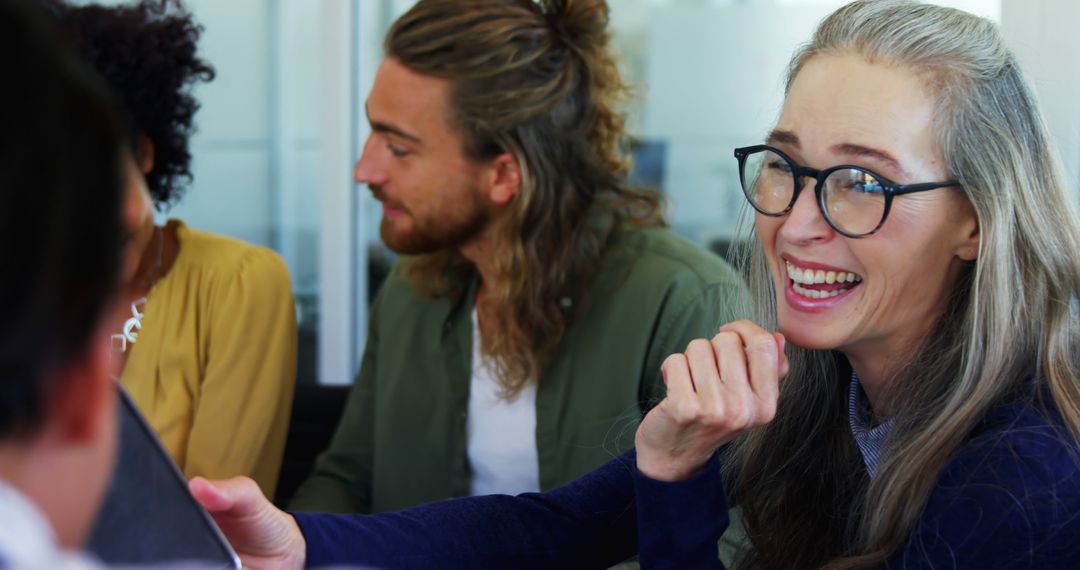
(581, 24)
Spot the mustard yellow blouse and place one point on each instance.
(214, 366)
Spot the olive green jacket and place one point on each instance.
(401, 440)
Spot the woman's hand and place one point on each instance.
(263, 535)
(715, 391)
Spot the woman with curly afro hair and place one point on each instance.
(210, 336)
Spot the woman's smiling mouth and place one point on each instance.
(817, 288)
(819, 283)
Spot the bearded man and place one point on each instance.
(519, 341)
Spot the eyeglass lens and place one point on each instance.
(853, 199)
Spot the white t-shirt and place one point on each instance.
(501, 434)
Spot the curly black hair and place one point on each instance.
(147, 54)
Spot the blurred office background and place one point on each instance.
(281, 126)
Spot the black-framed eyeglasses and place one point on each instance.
(854, 200)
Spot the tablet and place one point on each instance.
(148, 516)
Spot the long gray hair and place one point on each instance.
(1011, 316)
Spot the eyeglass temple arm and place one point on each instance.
(911, 188)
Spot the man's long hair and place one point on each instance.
(535, 79)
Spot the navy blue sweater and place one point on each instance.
(1010, 498)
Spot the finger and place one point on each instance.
(735, 383)
(236, 496)
(209, 496)
(745, 329)
(762, 357)
(781, 345)
(705, 372)
(676, 372)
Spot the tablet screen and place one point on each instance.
(148, 515)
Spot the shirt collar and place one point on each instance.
(28, 540)
(871, 439)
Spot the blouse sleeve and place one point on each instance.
(242, 413)
(588, 523)
(591, 522)
(680, 524)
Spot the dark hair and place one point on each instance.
(147, 54)
(536, 79)
(60, 196)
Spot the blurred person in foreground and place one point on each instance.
(909, 395)
(61, 180)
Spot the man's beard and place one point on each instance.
(429, 236)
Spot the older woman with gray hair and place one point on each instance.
(908, 394)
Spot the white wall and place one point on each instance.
(714, 76)
(1043, 34)
(233, 148)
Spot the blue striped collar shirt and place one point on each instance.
(869, 437)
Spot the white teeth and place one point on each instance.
(814, 293)
(814, 277)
